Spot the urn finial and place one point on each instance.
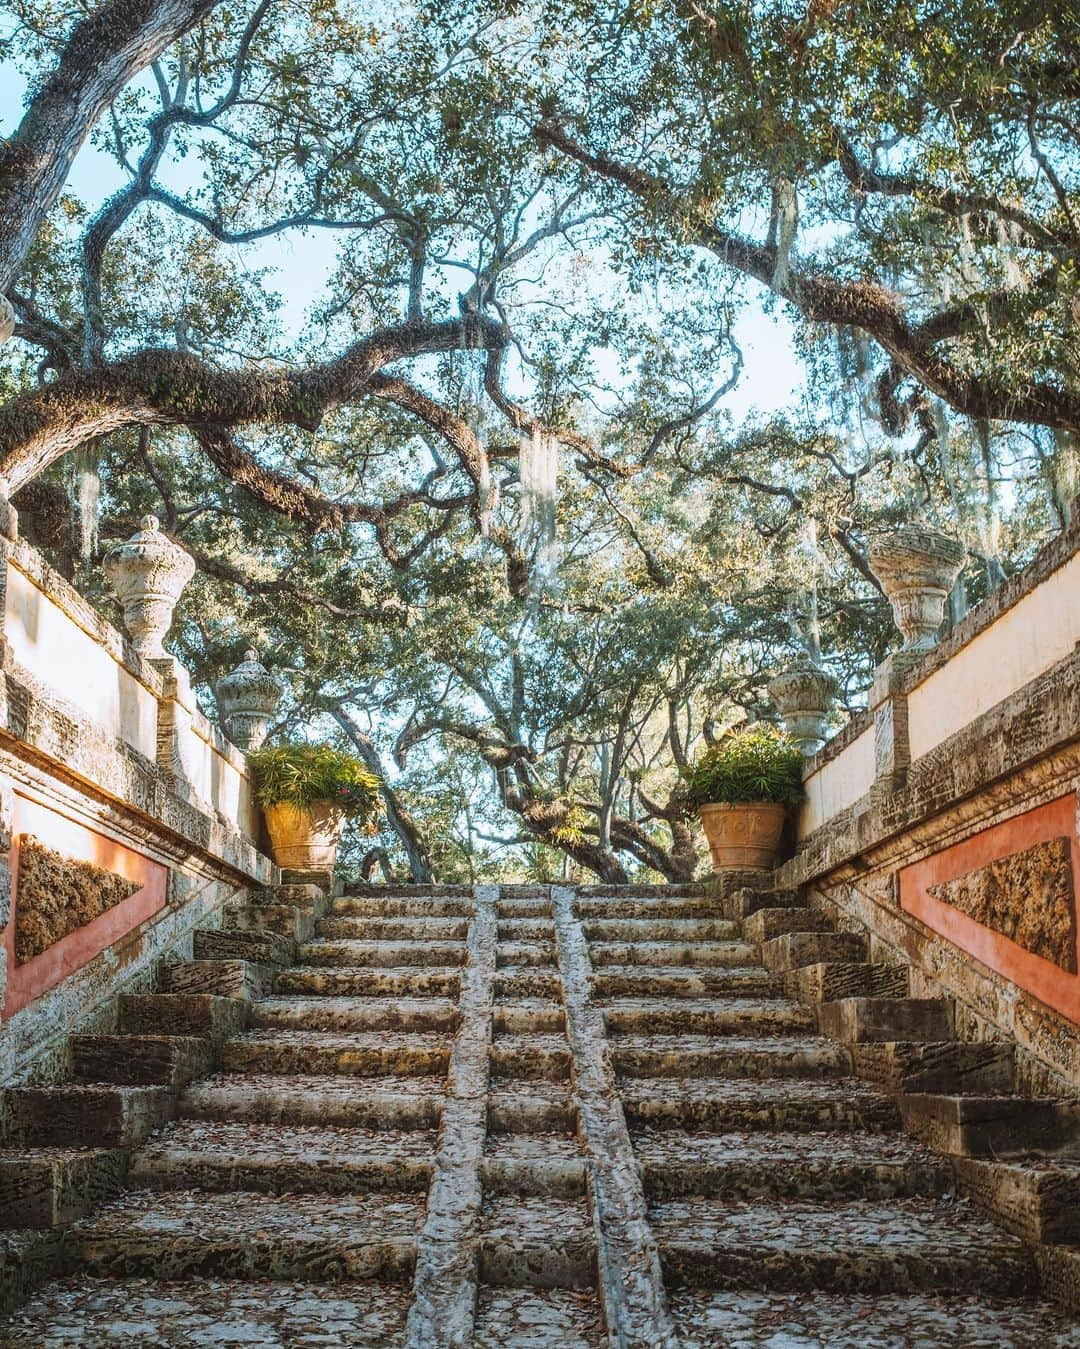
(803, 695)
(917, 567)
(247, 699)
(148, 572)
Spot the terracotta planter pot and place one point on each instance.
(304, 838)
(743, 837)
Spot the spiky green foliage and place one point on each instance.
(304, 774)
(750, 763)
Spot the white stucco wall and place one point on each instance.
(839, 783)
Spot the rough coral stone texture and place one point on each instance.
(57, 895)
(1027, 897)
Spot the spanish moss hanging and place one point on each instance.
(538, 468)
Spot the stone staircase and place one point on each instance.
(530, 1116)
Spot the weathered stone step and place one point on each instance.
(531, 1056)
(183, 1234)
(606, 890)
(371, 981)
(530, 1107)
(388, 1102)
(200, 1014)
(86, 1114)
(793, 950)
(52, 1186)
(284, 1158)
(658, 906)
(534, 906)
(528, 983)
(533, 1164)
(528, 1016)
(727, 1056)
(948, 1066)
(716, 954)
(141, 1060)
(394, 929)
(661, 929)
(1037, 1199)
(830, 981)
(382, 954)
(364, 1014)
(858, 1247)
(706, 1016)
(517, 1318)
(742, 903)
(519, 954)
(766, 924)
(826, 1167)
(401, 906)
(93, 1313)
(642, 981)
(408, 890)
(261, 948)
(288, 920)
(311, 898)
(369, 1054)
(868, 1321)
(723, 1105)
(997, 1126)
(536, 1240)
(877, 1020)
(244, 979)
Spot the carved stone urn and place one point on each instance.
(7, 320)
(917, 567)
(148, 573)
(247, 699)
(803, 696)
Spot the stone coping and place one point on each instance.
(1035, 722)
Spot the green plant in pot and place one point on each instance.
(742, 787)
(307, 793)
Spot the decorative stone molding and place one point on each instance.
(148, 573)
(803, 696)
(7, 320)
(247, 699)
(917, 567)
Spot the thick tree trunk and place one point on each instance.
(104, 52)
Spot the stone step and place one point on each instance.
(528, 983)
(712, 954)
(141, 1060)
(996, 1126)
(394, 929)
(742, 903)
(607, 890)
(371, 981)
(642, 981)
(526, 929)
(423, 890)
(261, 948)
(371, 1054)
(242, 979)
(45, 1187)
(524, 954)
(868, 1321)
(382, 954)
(536, 1240)
(389, 1102)
(311, 898)
(522, 1318)
(861, 1247)
(524, 906)
(85, 1115)
(659, 906)
(680, 1056)
(528, 1016)
(284, 1158)
(530, 1056)
(793, 950)
(531, 1108)
(661, 929)
(826, 1166)
(204, 1311)
(185, 1234)
(1038, 1199)
(830, 981)
(288, 920)
(887, 1020)
(401, 906)
(767, 923)
(706, 1016)
(723, 1105)
(945, 1066)
(533, 1164)
(200, 1014)
(363, 1014)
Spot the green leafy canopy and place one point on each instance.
(303, 774)
(751, 763)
